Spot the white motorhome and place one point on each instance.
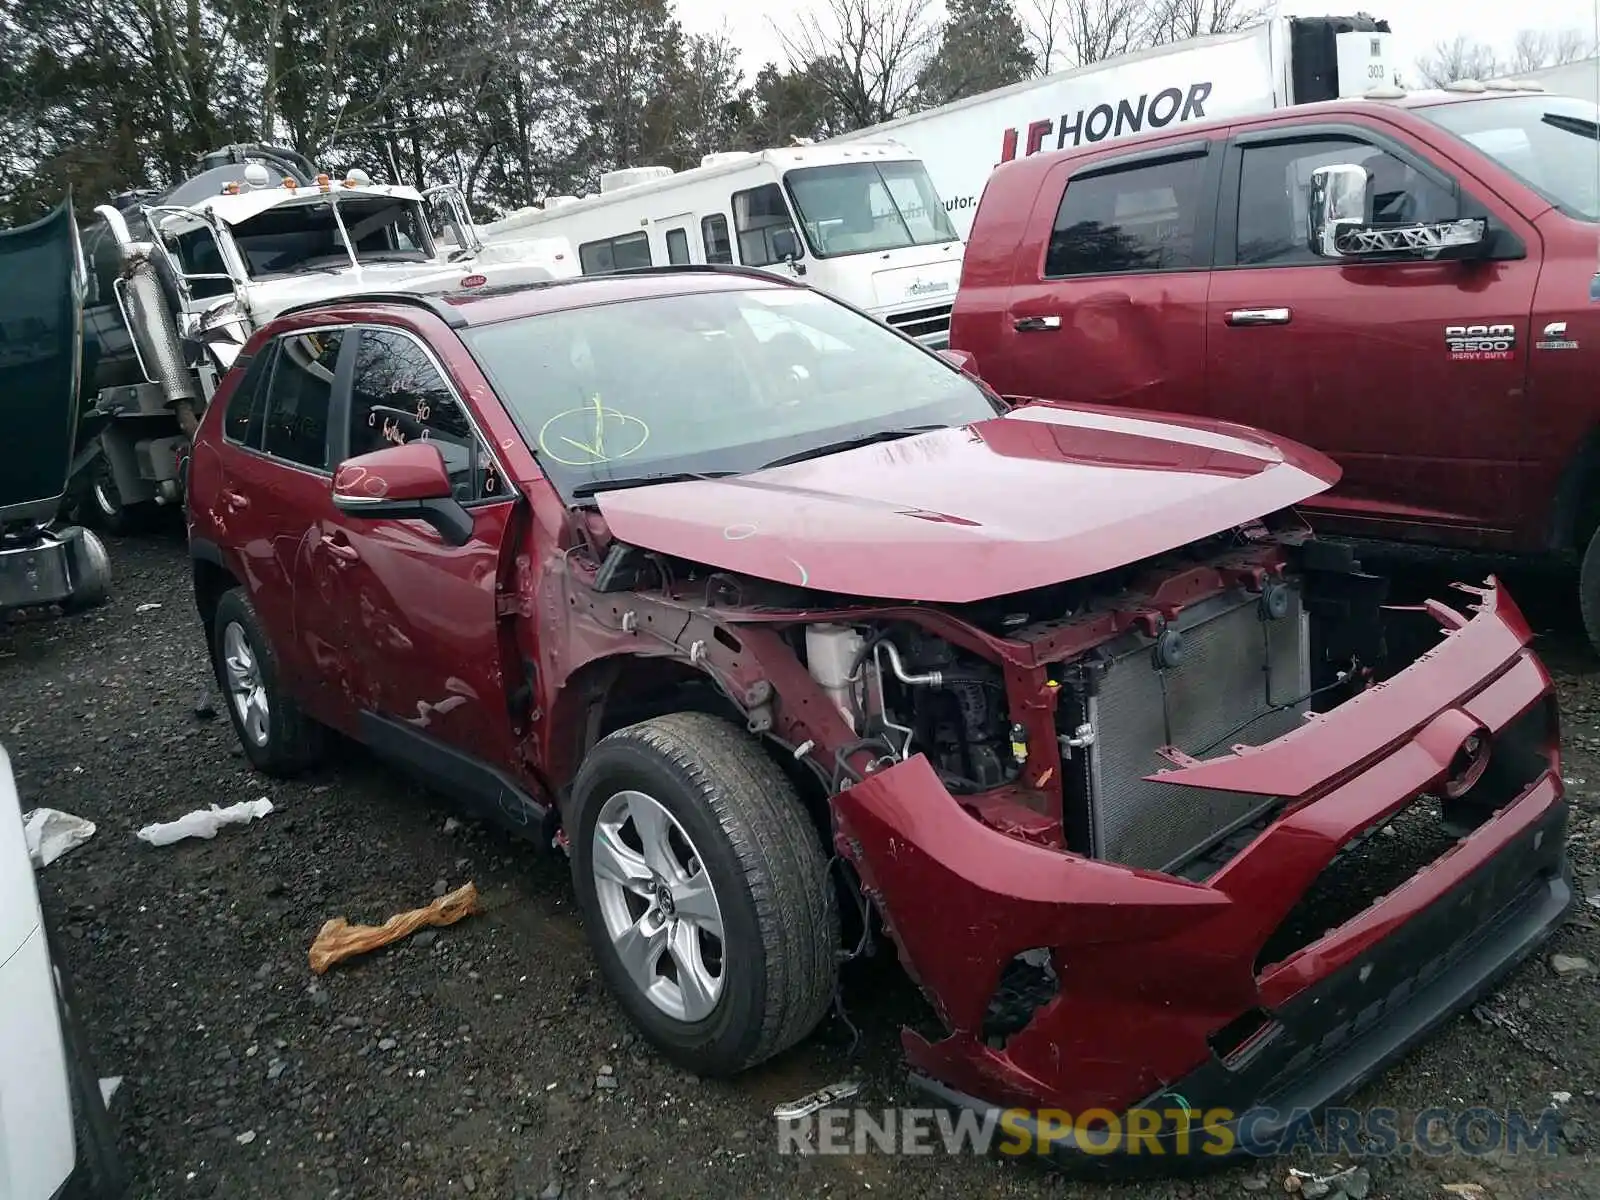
(1279, 62)
(861, 222)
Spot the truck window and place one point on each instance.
(714, 234)
(1139, 218)
(1275, 181)
(677, 245)
(624, 253)
(766, 235)
(864, 208)
(197, 253)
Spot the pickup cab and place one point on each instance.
(1399, 280)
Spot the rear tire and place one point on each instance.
(277, 736)
(732, 847)
(104, 503)
(1589, 591)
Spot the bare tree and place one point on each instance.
(1463, 58)
(866, 54)
(1532, 49)
(1179, 20)
(1068, 33)
(1041, 24)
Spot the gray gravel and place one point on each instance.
(485, 1059)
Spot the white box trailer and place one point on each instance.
(1279, 62)
(861, 222)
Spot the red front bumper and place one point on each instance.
(1151, 968)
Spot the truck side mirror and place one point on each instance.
(1339, 223)
(1341, 199)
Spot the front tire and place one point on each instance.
(704, 891)
(277, 736)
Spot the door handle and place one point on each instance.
(340, 548)
(1036, 324)
(1259, 316)
(234, 500)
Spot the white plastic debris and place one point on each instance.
(144, 608)
(108, 1088)
(50, 834)
(204, 822)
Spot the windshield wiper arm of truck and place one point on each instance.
(865, 439)
(590, 487)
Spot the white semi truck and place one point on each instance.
(862, 222)
(1278, 62)
(184, 278)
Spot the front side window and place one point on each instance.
(766, 234)
(1275, 189)
(720, 381)
(1551, 143)
(298, 398)
(865, 207)
(714, 234)
(625, 253)
(1135, 218)
(397, 395)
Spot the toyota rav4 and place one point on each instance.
(791, 634)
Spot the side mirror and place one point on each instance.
(407, 482)
(961, 360)
(1341, 199)
(1339, 223)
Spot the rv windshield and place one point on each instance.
(720, 382)
(305, 237)
(1551, 143)
(863, 207)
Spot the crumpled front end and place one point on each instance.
(1390, 857)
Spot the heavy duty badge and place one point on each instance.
(1480, 343)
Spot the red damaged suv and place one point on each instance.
(766, 615)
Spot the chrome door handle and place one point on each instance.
(1031, 324)
(1259, 316)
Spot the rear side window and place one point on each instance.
(298, 398)
(623, 253)
(1275, 183)
(714, 233)
(1137, 218)
(241, 424)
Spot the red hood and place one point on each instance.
(1041, 495)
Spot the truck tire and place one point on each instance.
(704, 891)
(1589, 591)
(105, 504)
(92, 587)
(277, 736)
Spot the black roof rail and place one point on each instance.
(448, 313)
(702, 268)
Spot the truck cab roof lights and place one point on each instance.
(1464, 85)
(1385, 91)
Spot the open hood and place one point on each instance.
(1042, 495)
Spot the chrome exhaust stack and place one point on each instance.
(147, 311)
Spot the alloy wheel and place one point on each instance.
(245, 689)
(659, 906)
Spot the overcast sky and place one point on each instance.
(1417, 24)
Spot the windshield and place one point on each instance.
(1551, 143)
(858, 208)
(709, 383)
(305, 237)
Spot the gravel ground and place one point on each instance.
(487, 1060)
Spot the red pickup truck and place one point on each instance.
(1401, 281)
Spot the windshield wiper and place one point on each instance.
(865, 439)
(591, 486)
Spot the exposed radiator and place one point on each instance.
(1231, 658)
